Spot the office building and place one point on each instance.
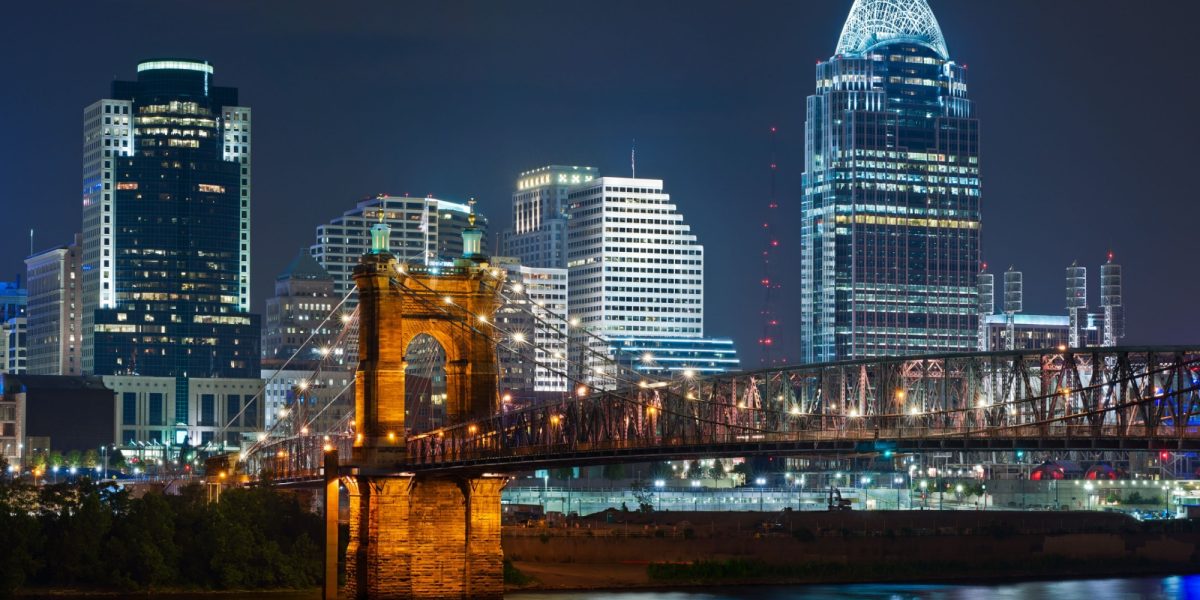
(45, 399)
(891, 208)
(320, 400)
(635, 278)
(539, 231)
(55, 311)
(13, 345)
(13, 299)
(166, 228)
(534, 313)
(297, 313)
(424, 231)
(214, 414)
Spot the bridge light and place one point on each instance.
(327, 447)
(914, 411)
(581, 391)
(448, 300)
(506, 397)
(304, 430)
(1062, 347)
(854, 412)
(554, 419)
(1164, 456)
(574, 322)
(303, 385)
(391, 436)
(518, 337)
(324, 352)
(650, 410)
(1066, 391)
(472, 429)
(643, 384)
(900, 395)
(345, 317)
(659, 483)
(795, 410)
(689, 373)
(358, 438)
(647, 357)
(483, 319)
(518, 288)
(223, 474)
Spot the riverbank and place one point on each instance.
(668, 550)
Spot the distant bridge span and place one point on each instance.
(1126, 398)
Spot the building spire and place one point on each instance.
(874, 23)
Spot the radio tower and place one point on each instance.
(770, 338)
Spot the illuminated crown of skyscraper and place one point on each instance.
(873, 23)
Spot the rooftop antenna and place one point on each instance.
(633, 159)
(31, 241)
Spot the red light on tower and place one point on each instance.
(1164, 456)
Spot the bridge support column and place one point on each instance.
(415, 537)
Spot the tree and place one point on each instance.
(55, 459)
(91, 458)
(694, 469)
(116, 460)
(660, 470)
(718, 469)
(38, 461)
(74, 459)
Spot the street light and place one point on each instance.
(760, 482)
(1089, 487)
(658, 483)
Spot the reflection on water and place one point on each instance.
(1166, 588)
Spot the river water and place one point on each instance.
(1166, 588)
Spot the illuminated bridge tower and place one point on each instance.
(891, 220)
(414, 536)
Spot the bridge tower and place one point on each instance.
(419, 536)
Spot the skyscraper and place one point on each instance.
(533, 360)
(538, 236)
(166, 228)
(423, 230)
(891, 220)
(55, 312)
(636, 281)
(303, 299)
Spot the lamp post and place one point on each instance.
(104, 456)
(898, 480)
(760, 482)
(658, 484)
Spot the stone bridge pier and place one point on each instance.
(416, 535)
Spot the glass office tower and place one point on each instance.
(891, 220)
(166, 242)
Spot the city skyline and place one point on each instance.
(701, 123)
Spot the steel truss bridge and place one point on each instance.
(1125, 398)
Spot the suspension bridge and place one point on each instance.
(425, 491)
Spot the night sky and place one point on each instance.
(1088, 117)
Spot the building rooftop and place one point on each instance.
(874, 23)
(304, 266)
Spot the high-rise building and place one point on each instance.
(891, 220)
(13, 299)
(424, 230)
(636, 278)
(55, 312)
(303, 298)
(635, 267)
(533, 358)
(166, 228)
(538, 236)
(13, 326)
(13, 345)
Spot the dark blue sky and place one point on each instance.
(1088, 117)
